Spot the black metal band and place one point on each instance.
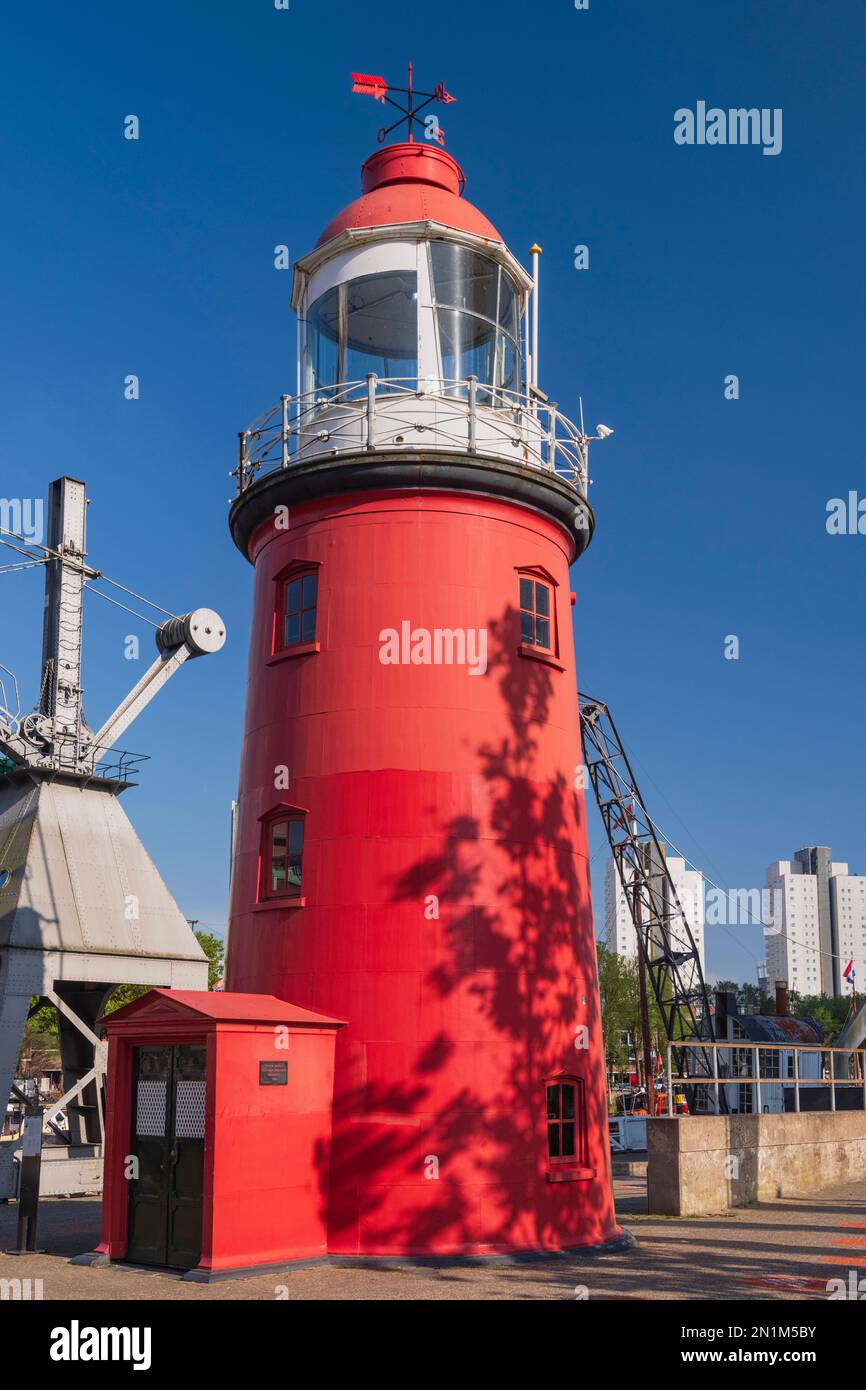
(397, 471)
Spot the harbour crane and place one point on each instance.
(667, 949)
(82, 906)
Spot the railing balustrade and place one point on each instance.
(729, 1070)
(451, 416)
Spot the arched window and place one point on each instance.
(296, 602)
(298, 615)
(282, 854)
(539, 632)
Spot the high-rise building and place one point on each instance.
(619, 927)
(819, 918)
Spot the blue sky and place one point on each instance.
(155, 257)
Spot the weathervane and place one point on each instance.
(379, 90)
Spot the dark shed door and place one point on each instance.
(165, 1198)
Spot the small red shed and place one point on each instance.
(219, 1131)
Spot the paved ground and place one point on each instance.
(780, 1250)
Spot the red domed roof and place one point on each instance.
(411, 183)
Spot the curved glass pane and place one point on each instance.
(323, 341)
(507, 360)
(467, 345)
(382, 325)
(462, 279)
(369, 324)
(470, 346)
(473, 295)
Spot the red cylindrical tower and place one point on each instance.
(410, 847)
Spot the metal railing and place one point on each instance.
(848, 1071)
(409, 413)
(76, 756)
(120, 766)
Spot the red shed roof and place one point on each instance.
(225, 1008)
(411, 183)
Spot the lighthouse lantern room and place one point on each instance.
(410, 850)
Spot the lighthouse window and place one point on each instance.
(283, 852)
(477, 319)
(298, 618)
(369, 324)
(535, 613)
(566, 1122)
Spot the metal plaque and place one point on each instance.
(273, 1073)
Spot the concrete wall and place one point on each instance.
(700, 1165)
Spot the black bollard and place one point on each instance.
(28, 1185)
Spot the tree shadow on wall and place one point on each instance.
(507, 958)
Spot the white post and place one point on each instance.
(300, 339)
(757, 1061)
(832, 1079)
(473, 416)
(551, 437)
(535, 252)
(371, 410)
(285, 400)
(797, 1080)
(527, 336)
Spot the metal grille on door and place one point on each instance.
(189, 1116)
(150, 1108)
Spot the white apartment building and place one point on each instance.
(821, 921)
(619, 928)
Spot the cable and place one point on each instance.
(150, 603)
(21, 565)
(89, 586)
(90, 574)
(28, 553)
(832, 955)
(816, 950)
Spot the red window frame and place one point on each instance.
(293, 853)
(306, 633)
(536, 597)
(565, 1098)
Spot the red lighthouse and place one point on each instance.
(410, 846)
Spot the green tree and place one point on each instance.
(41, 1026)
(829, 1011)
(750, 998)
(616, 987)
(215, 950)
(620, 1006)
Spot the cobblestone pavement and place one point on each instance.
(780, 1250)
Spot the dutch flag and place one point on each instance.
(849, 972)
